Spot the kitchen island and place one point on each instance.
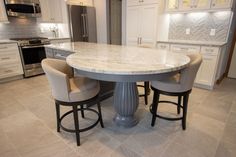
(123, 65)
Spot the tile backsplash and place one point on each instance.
(25, 27)
(200, 25)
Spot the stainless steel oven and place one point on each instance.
(32, 52)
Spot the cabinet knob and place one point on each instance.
(213, 4)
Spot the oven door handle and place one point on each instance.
(28, 47)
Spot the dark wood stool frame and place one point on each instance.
(75, 109)
(156, 101)
(146, 91)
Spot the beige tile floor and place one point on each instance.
(28, 126)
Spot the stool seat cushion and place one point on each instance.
(83, 88)
(170, 84)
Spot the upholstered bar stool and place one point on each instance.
(180, 86)
(71, 91)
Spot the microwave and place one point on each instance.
(23, 8)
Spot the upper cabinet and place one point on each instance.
(140, 2)
(3, 15)
(51, 11)
(141, 25)
(172, 5)
(80, 2)
(221, 4)
(192, 5)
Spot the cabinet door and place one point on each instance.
(133, 2)
(133, 25)
(45, 9)
(207, 71)
(55, 8)
(186, 4)
(80, 2)
(202, 4)
(221, 4)
(172, 5)
(3, 15)
(148, 25)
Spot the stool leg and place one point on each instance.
(76, 122)
(146, 91)
(155, 101)
(58, 116)
(82, 110)
(100, 114)
(179, 104)
(185, 107)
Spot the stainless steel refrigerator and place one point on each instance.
(82, 23)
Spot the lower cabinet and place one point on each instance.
(106, 88)
(10, 61)
(206, 76)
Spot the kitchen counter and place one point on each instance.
(59, 38)
(7, 41)
(189, 42)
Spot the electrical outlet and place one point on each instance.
(213, 32)
(187, 31)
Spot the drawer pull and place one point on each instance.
(8, 71)
(5, 58)
(3, 47)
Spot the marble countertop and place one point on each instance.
(7, 41)
(121, 60)
(189, 42)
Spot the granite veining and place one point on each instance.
(113, 59)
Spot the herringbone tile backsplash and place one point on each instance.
(200, 25)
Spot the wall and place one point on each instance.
(200, 25)
(101, 19)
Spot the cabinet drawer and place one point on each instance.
(163, 46)
(4, 58)
(186, 49)
(10, 70)
(8, 47)
(209, 51)
(61, 54)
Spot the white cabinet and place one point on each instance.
(172, 5)
(185, 49)
(80, 2)
(51, 11)
(194, 4)
(3, 15)
(140, 2)
(163, 46)
(221, 4)
(10, 62)
(141, 25)
(207, 71)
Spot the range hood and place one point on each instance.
(23, 8)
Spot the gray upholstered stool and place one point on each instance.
(179, 85)
(68, 90)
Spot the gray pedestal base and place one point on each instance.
(125, 103)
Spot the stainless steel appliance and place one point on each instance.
(82, 21)
(32, 52)
(23, 8)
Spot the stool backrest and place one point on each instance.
(188, 75)
(58, 74)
